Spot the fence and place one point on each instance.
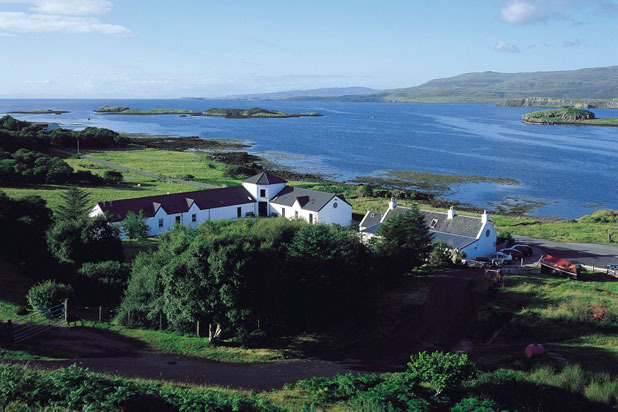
(35, 323)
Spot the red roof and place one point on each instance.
(177, 202)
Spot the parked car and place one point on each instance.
(525, 249)
(515, 253)
(499, 258)
(612, 269)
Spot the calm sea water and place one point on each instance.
(573, 170)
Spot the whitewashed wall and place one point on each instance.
(341, 215)
(485, 245)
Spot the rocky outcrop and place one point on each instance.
(553, 102)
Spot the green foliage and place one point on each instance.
(444, 256)
(601, 216)
(103, 282)
(504, 237)
(238, 171)
(339, 387)
(77, 389)
(405, 241)
(216, 274)
(113, 176)
(84, 240)
(47, 294)
(134, 225)
(476, 405)
(441, 370)
(24, 223)
(75, 205)
(367, 190)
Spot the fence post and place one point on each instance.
(198, 329)
(100, 312)
(66, 311)
(160, 321)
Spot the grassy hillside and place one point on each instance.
(493, 87)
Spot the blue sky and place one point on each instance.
(157, 48)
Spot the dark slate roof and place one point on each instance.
(312, 200)
(454, 241)
(370, 219)
(264, 179)
(177, 202)
(460, 225)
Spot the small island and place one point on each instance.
(577, 117)
(41, 111)
(253, 113)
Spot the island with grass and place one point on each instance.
(128, 110)
(578, 117)
(41, 111)
(253, 113)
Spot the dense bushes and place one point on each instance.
(251, 275)
(47, 294)
(104, 282)
(74, 388)
(441, 370)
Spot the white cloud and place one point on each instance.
(18, 22)
(504, 47)
(66, 7)
(66, 16)
(522, 12)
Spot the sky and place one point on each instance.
(204, 48)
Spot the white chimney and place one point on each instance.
(485, 217)
(451, 213)
(392, 204)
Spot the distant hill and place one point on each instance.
(492, 87)
(324, 92)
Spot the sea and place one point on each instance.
(563, 171)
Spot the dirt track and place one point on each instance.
(440, 325)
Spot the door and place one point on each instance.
(262, 209)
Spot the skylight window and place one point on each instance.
(433, 223)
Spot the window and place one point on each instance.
(310, 217)
(194, 218)
(239, 212)
(262, 192)
(296, 214)
(335, 205)
(160, 222)
(283, 211)
(177, 219)
(487, 233)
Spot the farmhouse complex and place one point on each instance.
(475, 236)
(261, 195)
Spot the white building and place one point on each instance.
(475, 236)
(262, 195)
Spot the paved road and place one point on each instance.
(585, 253)
(141, 172)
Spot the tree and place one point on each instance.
(112, 176)
(47, 294)
(134, 226)
(85, 240)
(405, 240)
(75, 205)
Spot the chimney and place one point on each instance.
(392, 204)
(451, 213)
(485, 217)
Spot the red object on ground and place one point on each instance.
(561, 265)
(534, 349)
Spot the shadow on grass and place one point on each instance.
(77, 342)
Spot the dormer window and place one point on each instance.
(433, 223)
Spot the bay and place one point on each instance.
(572, 170)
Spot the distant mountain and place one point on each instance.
(324, 92)
(492, 87)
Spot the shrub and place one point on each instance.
(104, 280)
(339, 387)
(441, 370)
(476, 405)
(112, 176)
(47, 294)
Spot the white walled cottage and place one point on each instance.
(263, 195)
(476, 236)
